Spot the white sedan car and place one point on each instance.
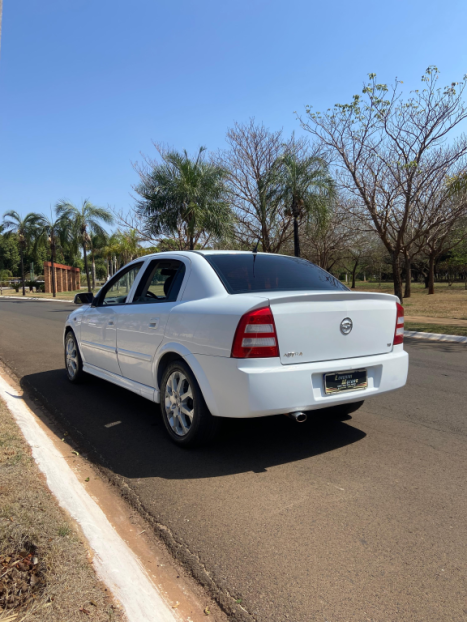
(211, 334)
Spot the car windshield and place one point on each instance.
(243, 273)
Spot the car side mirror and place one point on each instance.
(84, 298)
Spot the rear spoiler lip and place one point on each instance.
(286, 297)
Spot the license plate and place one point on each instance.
(345, 381)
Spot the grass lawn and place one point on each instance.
(61, 296)
(446, 302)
(437, 329)
(45, 567)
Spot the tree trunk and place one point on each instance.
(296, 237)
(408, 277)
(86, 267)
(22, 267)
(93, 269)
(52, 267)
(397, 275)
(354, 272)
(431, 275)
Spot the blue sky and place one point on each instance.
(86, 85)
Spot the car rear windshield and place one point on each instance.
(242, 273)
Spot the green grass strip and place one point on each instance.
(438, 329)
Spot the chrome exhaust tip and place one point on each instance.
(299, 417)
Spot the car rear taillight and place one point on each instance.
(399, 332)
(255, 336)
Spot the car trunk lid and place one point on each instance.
(322, 326)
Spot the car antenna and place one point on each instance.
(255, 252)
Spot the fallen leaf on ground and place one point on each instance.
(76, 454)
(87, 479)
(83, 610)
(206, 611)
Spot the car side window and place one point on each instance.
(161, 282)
(117, 290)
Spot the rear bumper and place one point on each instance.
(260, 387)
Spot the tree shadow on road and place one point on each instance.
(137, 446)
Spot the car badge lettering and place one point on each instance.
(346, 326)
(289, 354)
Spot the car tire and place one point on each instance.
(185, 414)
(73, 360)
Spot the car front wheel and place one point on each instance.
(184, 411)
(73, 362)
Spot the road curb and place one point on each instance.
(37, 299)
(415, 334)
(115, 563)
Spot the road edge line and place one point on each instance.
(415, 334)
(114, 562)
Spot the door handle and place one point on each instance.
(154, 322)
(111, 322)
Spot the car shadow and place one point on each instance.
(125, 433)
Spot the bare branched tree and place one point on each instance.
(327, 236)
(132, 221)
(254, 186)
(388, 151)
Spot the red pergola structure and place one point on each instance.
(67, 279)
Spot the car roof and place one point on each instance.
(231, 252)
(221, 252)
(205, 252)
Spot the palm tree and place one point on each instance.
(54, 233)
(128, 245)
(184, 198)
(86, 221)
(109, 251)
(96, 243)
(307, 187)
(24, 230)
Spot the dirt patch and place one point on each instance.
(21, 578)
(45, 568)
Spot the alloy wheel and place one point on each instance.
(179, 405)
(71, 357)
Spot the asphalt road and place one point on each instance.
(356, 520)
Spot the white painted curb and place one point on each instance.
(36, 299)
(415, 334)
(114, 562)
